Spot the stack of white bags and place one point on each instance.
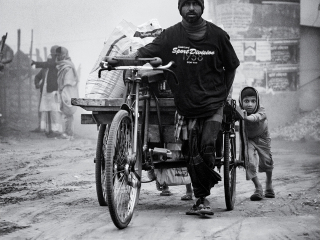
(125, 39)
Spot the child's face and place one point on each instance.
(249, 103)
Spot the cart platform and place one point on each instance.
(103, 110)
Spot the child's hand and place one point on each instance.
(245, 115)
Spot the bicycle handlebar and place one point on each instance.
(154, 62)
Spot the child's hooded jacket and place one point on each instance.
(260, 124)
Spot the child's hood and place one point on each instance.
(257, 97)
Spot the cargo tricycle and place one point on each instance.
(136, 133)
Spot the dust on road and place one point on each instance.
(47, 191)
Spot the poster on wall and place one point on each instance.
(264, 21)
(280, 53)
(236, 18)
(263, 51)
(249, 51)
(278, 81)
(283, 79)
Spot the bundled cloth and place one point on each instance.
(68, 83)
(125, 39)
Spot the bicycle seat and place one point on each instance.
(152, 76)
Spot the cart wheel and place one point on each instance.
(229, 170)
(100, 165)
(123, 171)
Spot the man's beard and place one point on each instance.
(192, 19)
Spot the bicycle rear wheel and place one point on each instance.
(100, 165)
(123, 170)
(229, 170)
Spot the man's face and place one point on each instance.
(191, 11)
(59, 57)
(249, 103)
(52, 57)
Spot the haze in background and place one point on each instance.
(81, 26)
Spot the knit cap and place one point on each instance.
(181, 2)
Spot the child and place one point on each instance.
(259, 142)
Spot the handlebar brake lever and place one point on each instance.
(100, 70)
(109, 68)
(174, 75)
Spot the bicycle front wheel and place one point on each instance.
(123, 170)
(229, 170)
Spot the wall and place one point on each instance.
(281, 108)
(266, 38)
(309, 92)
(310, 13)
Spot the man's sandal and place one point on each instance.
(205, 210)
(194, 210)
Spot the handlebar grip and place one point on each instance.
(156, 62)
(111, 60)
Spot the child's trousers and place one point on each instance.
(260, 157)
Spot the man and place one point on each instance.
(47, 81)
(206, 65)
(68, 88)
(6, 55)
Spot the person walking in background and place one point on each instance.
(47, 80)
(38, 83)
(6, 57)
(6, 53)
(68, 88)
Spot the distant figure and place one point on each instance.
(47, 81)
(6, 55)
(68, 88)
(259, 142)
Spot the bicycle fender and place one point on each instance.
(126, 107)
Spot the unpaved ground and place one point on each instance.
(47, 191)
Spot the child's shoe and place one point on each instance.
(269, 193)
(257, 196)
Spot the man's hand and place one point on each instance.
(32, 62)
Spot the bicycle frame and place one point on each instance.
(133, 95)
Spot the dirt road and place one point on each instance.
(48, 192)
